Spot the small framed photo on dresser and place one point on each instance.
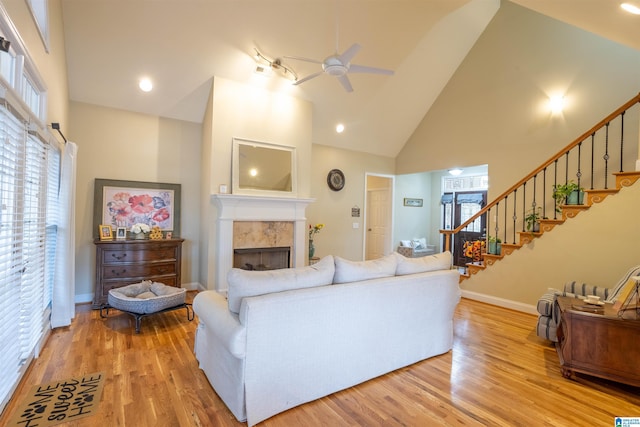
(168, 235)
(121, 233)
(105, 232)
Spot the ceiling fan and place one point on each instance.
(339, 65)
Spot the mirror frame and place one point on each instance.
(235, 168)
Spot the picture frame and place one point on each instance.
(121, 203)
(105, 232)
(121, 233)
(414, 203)
(168, 235)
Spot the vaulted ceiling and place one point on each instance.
(182, 44)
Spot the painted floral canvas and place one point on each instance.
(124, 206)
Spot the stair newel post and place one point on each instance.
(621, 140)
(606, 155)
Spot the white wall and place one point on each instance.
(414, 222)
(253, 113)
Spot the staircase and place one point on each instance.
(602, 147)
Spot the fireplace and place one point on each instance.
(261, 222)
(262, 258)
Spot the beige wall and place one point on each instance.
(333, 208)
(116, 144)
(492, 112)
(415, 222)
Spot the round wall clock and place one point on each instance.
(335, 180)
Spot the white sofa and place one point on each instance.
(287, 337)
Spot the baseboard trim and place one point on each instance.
(500, 302)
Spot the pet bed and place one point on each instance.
(146, 298)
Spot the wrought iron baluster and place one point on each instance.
(593, 155)
(622, 140)
(606, 156)
(515, 216)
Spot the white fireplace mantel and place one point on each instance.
(232, 207)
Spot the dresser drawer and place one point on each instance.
(118, 256)
(137, 270)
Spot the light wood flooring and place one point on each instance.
(498, 374)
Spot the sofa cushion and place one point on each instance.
(354, 271)
(406, 265)
(406, 243)
(244, 283)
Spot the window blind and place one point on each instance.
(29, 171)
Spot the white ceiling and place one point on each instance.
(182, 44)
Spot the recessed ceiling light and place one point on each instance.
(340, 128)
(145, 85)
(631, 8)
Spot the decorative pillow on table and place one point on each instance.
(441, 261)
(354, 271)
(419, 243)
(245, 283)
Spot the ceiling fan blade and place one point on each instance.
(309, 77)
(348, 54)
(364, 69)
(346, 84)
(300, 58)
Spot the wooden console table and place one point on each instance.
(122, 262)
(598, 343)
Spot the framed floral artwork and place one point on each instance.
(124, 203)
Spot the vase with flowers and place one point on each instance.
(313, 230)
(140, 231)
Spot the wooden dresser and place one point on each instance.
(122, 262)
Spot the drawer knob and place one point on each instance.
(119, 257)
(117, 273)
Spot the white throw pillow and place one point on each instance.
(406, 265)
(406, 243)
(354, 271)
(244, 283)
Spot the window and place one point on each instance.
(40, 12)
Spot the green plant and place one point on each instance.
(533, 217)
(562, 191)
(493, 239)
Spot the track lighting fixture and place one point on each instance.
(265, 65)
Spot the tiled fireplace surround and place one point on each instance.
(258, 222)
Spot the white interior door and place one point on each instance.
(378, 223)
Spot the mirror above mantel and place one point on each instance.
(260, 168)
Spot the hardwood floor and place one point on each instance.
(498, 373)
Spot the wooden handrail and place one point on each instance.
(558, 155)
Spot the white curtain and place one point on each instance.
(63, 297)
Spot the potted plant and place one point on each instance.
(532, 220)
(569, 194)
(495, 245)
